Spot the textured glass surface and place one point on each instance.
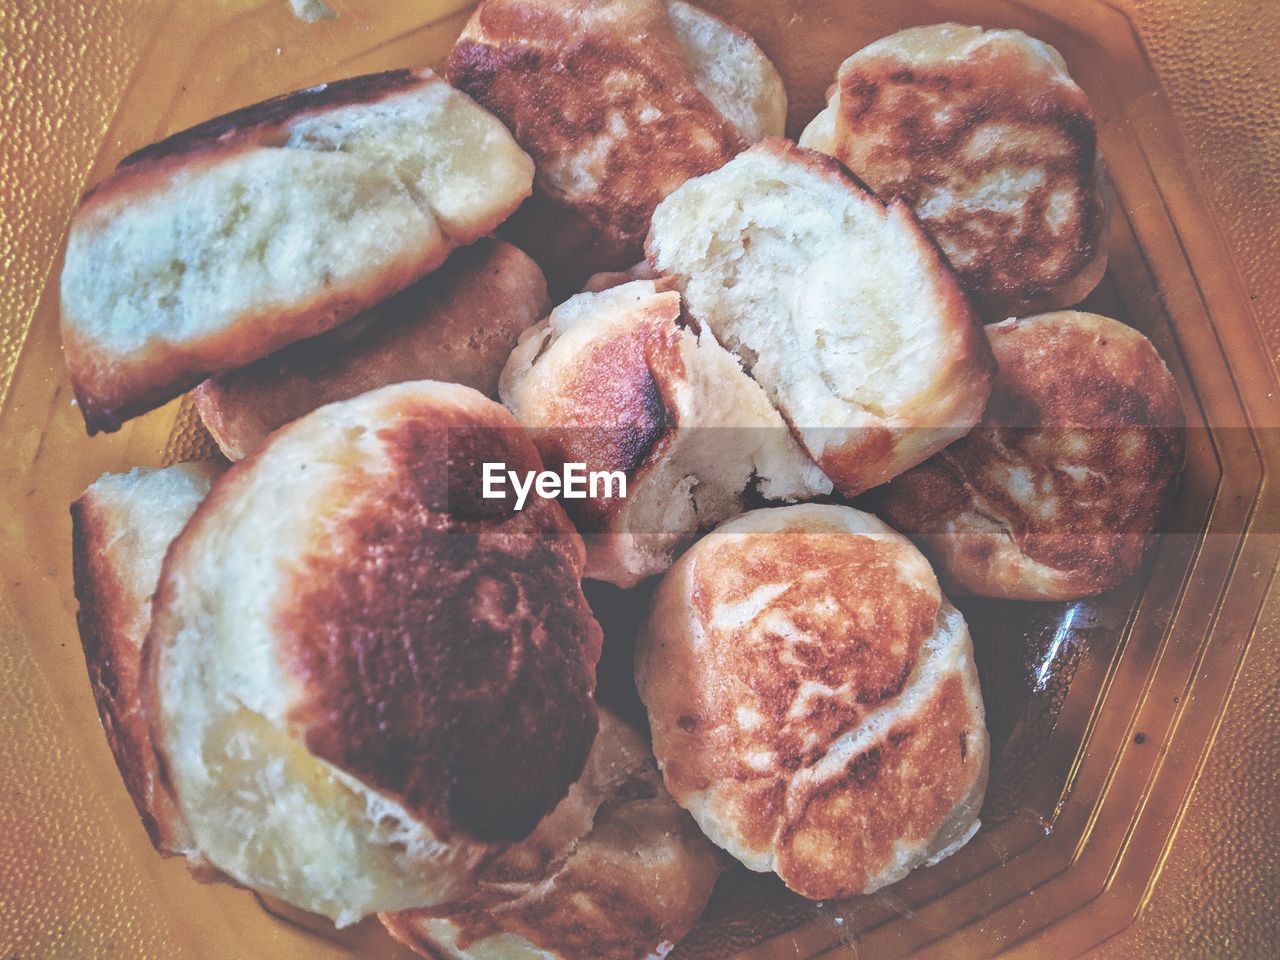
(1135, 735)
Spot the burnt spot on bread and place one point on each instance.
(446, 655)
(933, 136)
(259, 119)
(609, 410)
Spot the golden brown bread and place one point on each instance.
(120, 528)
(223, 243)
(618, 381)
(994, 146)
(1058, 492)
(458, 324)
(813, 699)
(617, 871)
(601, 95)
(360, 674)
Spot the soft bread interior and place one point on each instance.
(194, 263)
(836, 304)
(715, 440)
(260, 231)
(449, 154)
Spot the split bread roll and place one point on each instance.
(361, 676)
(1061, 489)
(217, 246)
(813, 699)
(646, 94)
(838, 305)
(617, 381)
(987, 137)
(458, 324)
(121, 527)
(617, 871)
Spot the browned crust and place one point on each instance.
(745, 715)
(260, 124)
(613, 409)
(108, 620)
(887, 108)
(443, 650)
(558, 74)
(869, 637)
(458, 324)
(837, 839)
(1072, 390)
(489, 719)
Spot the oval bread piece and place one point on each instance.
(617, 871)
(361, 675)
(614, 380)
(837, 304)
(987, 137)
(121, 527)
(458, 324)
(644, 98)
(813, 699)
(1060, 490)
(223, 243)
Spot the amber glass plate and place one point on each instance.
(1101, 711)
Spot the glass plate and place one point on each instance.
(1101, 711)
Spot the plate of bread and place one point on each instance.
(904, 466)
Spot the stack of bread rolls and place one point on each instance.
(343, 673)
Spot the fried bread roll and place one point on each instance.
(361, 675)
(837, 304)
(645, 96)
(614, 380)
(224, 243)
(1058, 493)
(459, 324)
(617, 871)
(987, 137)
(813, 699)
(121, 527)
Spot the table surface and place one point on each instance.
(1219, 61)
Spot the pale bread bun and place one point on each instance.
(838, 305)
(458, 324)
(221, 244)
(731, 71)
(616, 381)
(813, 699)
(617, 871)
(360, 675)
(1061, 489)
(987, 137)
(121, 527)
(645, 96)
